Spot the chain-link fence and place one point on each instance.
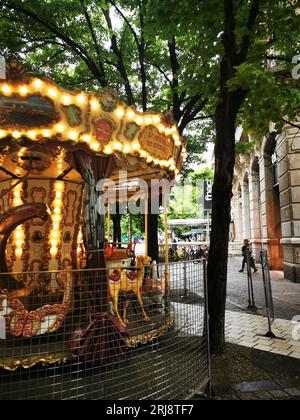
(147, 340)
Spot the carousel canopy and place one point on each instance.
(36, 112)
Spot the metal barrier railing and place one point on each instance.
(57, 341)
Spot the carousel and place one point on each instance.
(66, 290)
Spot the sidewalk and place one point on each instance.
(249, 331)
(286, 295)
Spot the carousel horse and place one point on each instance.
(128, 280)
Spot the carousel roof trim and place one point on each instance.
(103, 123)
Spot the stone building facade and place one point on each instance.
(266, 202)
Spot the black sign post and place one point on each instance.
(268, 291)
(207, 196)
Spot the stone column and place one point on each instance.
(246, 209)
(255, 215)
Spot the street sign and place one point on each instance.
(207, 195)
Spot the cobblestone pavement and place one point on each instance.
(286, 295)
(261, 390)
(249, 331)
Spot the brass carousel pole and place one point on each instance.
(146, 227)
(108, 223)
(167, 273)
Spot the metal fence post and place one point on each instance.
(268, 291)
(206, 322)
(250, 282)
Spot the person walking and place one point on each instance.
(247, 248)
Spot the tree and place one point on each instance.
(236, 40)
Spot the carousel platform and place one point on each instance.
(53, 349)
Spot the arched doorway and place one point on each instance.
(272, 201)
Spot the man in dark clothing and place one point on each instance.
(247, 248)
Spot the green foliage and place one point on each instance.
(243, 148)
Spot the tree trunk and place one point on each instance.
(153, 249)
(116, 218)
(221, 219)
(226, 115)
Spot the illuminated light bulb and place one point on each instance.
(173, 129)
(156, 162)
(57, 210)
(131, 115)
(87, 138)
(95, 146)
(37, 83)
(95, 104)
(52, 92)
(148, 120)
(168, 131)
(73, 135)
(118, 146)
(172, 167)
(161, 128)
(67, 100)
(17, 193)
(19, 244)
(143, 153)
(55, 226)
(58, 202)
(23, 90)
(6, 89)
(136, 146)
(108, 150)
(156, 119)
(32, 134)
(78, 250)
(120, 112)
(59, 194)
(19, 234)
(177, 172)
(2, 134)
(139, 121)
(54, 234)
(59, 128)
(19, 252)
(149, 159)
(126, 149)
(59, 185)
(81, 99)
(16, 134)
(54, 243)
(53, 251)
(46, 133)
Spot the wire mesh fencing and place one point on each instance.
(128, 332)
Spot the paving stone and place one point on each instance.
(293, 392)
(246, 344)
(279, 394)
(296, 355)
(246, 397)
(263, 395)
(263, 348)
(255, 386)
(281, 352)
(231, 397)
